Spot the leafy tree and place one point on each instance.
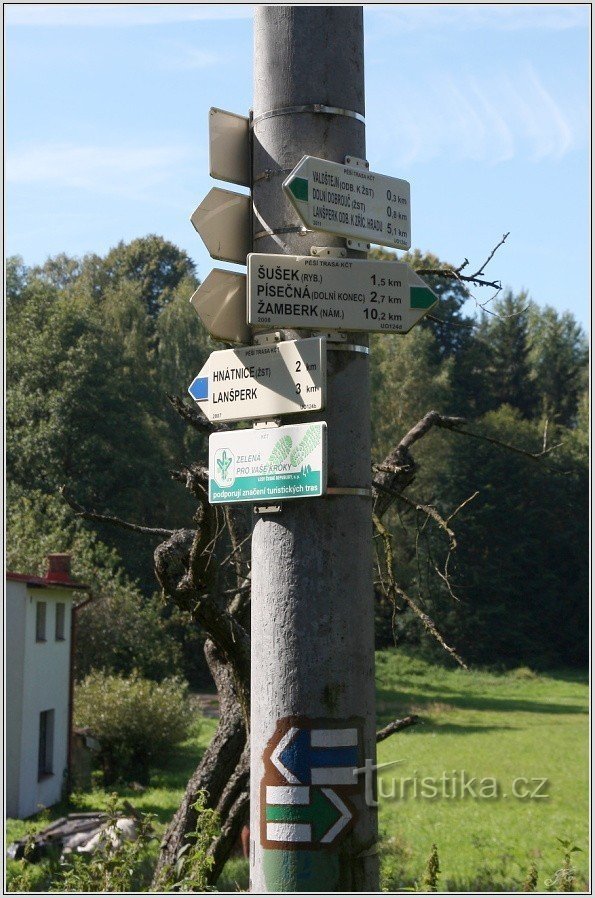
(559, 359)
(506, 338)
(120, 630)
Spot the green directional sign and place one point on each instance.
(351, 202)
(335, 294)
(305, 814)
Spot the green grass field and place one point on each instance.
(498, 727)
(513, 730)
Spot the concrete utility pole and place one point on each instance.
(313, 704)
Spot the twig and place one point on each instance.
(80, 512)
(480, 270)
(395, 589)
(535, 456)
(462, 278)
(396, 726)
(193, 416)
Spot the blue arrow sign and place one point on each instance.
(199, 388)
(318, 756)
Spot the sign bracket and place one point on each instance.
(267, 509)
(334, 252)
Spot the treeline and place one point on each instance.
(94, 346)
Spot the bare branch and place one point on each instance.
(454, 275)
(481, 268)
(395, 589)
(396, 726)
(535, 456)
(193, 416)
(80, 512)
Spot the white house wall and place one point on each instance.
(45, 687)
(15, 610)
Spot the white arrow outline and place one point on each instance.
(281, 745)
(346, 816)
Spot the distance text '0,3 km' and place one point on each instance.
(335, 294)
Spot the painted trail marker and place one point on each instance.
(317, 756)
(310, 769)
(223, 220)
(268, 464)
(351, 202)
(335, 294)
(305, 814)
(220, 303)
(262, 381)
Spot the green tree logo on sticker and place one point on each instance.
(310, 441)
(225, 470)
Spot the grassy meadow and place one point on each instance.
(482, 734)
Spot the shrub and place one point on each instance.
(136, 721)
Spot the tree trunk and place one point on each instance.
(214, 773)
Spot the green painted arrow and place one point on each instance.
(321, 813)
(421, 298)
(299, 188)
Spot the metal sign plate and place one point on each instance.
(351, 202)
(260, 382)
(223, 222)
(220, 302)
(271, 464)
(335, 294)
(229, 148)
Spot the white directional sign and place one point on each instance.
(351, 202)
(262, 381)
(223, 222)
(221, 305)
(269, 464)
(229, 148)
(335, 294)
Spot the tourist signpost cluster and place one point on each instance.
(268, 380)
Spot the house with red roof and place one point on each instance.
(39, 614)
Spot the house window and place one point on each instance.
(40, 616)
(45, 755)
(60, 616)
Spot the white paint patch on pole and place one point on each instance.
(290, 832)
(334, 776)
(262, 381)
(333, 738)
(335, 294)
(288, 794)
(229, 147)
(351, 202)
(268, 464)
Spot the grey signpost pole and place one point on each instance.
(313, 707)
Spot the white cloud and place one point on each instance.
(121, 14)
(469, 17)
(126, 171)
(460, 117)
(186, 58)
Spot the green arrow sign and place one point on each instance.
(305, 814)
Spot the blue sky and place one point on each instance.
(483, 108)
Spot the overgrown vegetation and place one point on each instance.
(136, 721)
(487, 724)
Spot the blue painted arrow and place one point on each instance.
(300, 758)
(199, 388)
